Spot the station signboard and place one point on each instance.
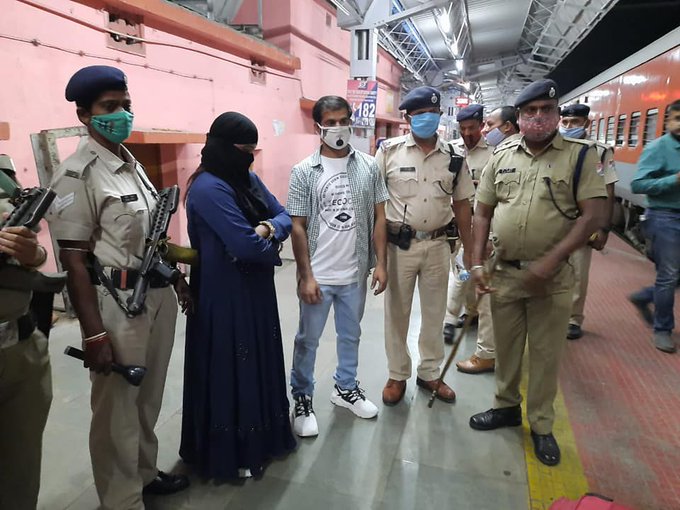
(362, 96)
(462, 101)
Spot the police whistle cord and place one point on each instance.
(459, 339)
(131, 373)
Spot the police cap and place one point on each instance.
(421, 97)
(576, 110)
(88, 83)
(473, 111)
(541, 89)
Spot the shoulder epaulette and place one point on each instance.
(509, 144)
(391, 143)
(582, 141)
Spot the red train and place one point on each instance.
(628, 108)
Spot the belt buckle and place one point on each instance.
(422, 236)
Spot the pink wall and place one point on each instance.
(175, 87)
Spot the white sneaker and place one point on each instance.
(304, 423)
(355, 401)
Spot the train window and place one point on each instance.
(600, 131)
(634, 128)
(619, 130)
(610, 130)
(593, 125)
(649, 133)
(664, 129)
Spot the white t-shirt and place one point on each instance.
(335, 259)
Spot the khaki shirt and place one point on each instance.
(13, 303)
(105, 201)
(477, 157)
(421, 182)
(526, 223)
(606, 166)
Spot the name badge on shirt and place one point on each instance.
(507, 170)
(407, 169)
(129, 198)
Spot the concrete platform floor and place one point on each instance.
(409, 457)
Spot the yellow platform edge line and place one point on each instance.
(547, 484)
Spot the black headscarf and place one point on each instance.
(220, 158)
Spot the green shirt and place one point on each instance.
(657, 173)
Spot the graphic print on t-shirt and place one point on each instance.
(335, 201)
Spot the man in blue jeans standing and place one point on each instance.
(658, 177)
(337, 201)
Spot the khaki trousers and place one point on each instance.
(460, 293)
(539, 321)
(123, 444)
(580, 259)
(486, 345)
(25, 398)
(426, 262)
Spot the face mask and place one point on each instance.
(424, 125)
(115, 127)
(538, 128)
(575, 132)
(495, 136)
(336, 138)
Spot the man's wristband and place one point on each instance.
(476, 267)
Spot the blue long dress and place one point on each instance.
(235, 396)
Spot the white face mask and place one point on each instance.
(336, 138)
(494, 137)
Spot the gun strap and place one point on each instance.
(107, 283)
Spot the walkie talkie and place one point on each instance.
(405, 233)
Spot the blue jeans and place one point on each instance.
(662, 228)
(348, 302)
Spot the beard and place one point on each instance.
(538, 129)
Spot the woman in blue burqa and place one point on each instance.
(235, 416)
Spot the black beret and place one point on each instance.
(421, 97)
(473, 111)
(541, 89)
(88, 83)
(576, 110)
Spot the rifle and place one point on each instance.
(154, 264)
(30, 206)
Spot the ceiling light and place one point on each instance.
(459, 65)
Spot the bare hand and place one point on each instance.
(467, 258)
(600, 240)
(184, 297)
(262, 231)
(481, 280)
(379, 279)
(22, 244)
(309, 291)
(538, 275)
(99, 355)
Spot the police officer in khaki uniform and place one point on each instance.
(574, 124)
(528, 189)
(499, 126)
(103, 212)
(25, 374)
(418, 171)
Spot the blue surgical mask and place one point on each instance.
(424, 125)
(494, 137)
(575, 132)
(116, 127)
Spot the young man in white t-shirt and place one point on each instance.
(337, 202)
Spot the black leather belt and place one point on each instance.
(125, 279)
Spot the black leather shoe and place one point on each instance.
(574, 332)
(497, 418)
(167, 483)
(449, 333)
(546, 448)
